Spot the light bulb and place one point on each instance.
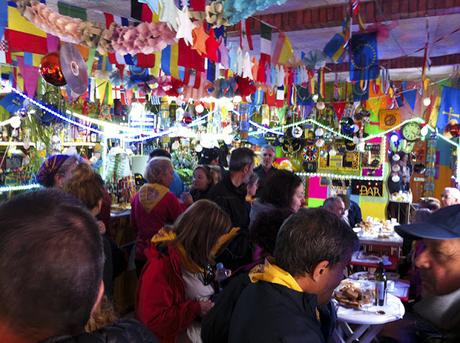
(427, 101)
(315, 97)
(320, 105)
(394, 138)
(332, 152)
(199, 108)
(237, 99)
(198, 148)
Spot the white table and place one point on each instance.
(368, 322)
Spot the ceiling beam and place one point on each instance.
(371, 12)
(402, 62)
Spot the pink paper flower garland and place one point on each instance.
(144, 38)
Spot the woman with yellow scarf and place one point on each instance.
(176, 284)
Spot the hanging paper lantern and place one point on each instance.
(50, 69)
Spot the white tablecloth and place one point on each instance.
(394, 310)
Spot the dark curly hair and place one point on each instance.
(265, 227)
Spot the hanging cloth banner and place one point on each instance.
(265, 51)
(321, 84)
(283, 53)
(335, 48)
(450, 107)
(364, 64)
(245, 35)
(30, 75)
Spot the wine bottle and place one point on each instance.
(380, 285)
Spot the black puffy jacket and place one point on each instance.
(123, 331)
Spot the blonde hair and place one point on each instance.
(216, 174)
(155, 169)
(85, 185)
(199, 228)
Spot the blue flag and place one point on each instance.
(449, 108)
(364, 64)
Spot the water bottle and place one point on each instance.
(380, 285)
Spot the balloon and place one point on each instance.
(50, 69)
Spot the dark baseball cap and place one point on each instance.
(442, 224)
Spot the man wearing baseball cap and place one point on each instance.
(439, 265)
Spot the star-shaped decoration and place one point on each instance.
(169, 13)
(212, 46)
(185, 26)
(199, 39)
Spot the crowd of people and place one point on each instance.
(239, 258)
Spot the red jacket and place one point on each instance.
(146, 224)
(161, 302)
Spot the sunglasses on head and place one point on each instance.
(209, 274)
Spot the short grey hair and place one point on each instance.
(155, 169)
(453, 192)
(268, 147)
(240, 158)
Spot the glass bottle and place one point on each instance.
(380, 285)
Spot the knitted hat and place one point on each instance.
(49, 169)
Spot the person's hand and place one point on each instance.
(205, 306)
(186, 198)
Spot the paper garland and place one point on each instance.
(145, 38)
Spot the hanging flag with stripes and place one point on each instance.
(265, 51)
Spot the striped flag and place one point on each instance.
(284, 53)
(265, 51)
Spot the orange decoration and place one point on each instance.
(50, 69)
(199, 39)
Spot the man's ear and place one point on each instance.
(100, 294)
(319, 270)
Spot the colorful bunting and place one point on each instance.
(283, 53)
(364, 64)
(265, 51)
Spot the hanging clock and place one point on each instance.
(411, 131)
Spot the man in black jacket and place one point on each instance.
(230, 193)
(51, 272)
(288, 300)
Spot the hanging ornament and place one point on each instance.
(396, 157)
(395, 178)
(320, 143)
(297, 132)
(319, 132)
(50, 69)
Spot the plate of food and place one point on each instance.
(355, 293)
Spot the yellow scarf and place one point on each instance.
(168, 235)
(272, 273)
(151, 194)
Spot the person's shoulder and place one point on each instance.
(122, 331)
